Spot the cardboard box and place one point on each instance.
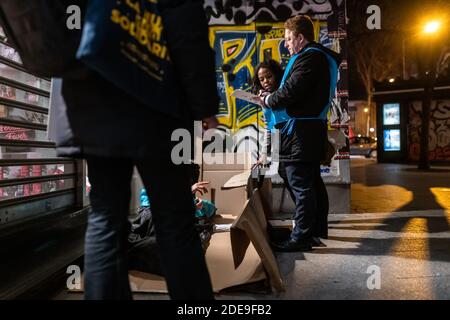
(227, 161)
(228, 201)
(220, 265)
(243, 254)
(250, 227)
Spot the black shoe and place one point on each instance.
(316, 242)
(292, 246)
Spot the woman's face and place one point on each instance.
(267, 79)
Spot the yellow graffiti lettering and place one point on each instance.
(275, 34)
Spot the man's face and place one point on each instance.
(292, 42)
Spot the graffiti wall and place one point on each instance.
(439, 137)
(443, 65)
(244, 33)
(241, 12)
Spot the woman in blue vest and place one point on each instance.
(300, 107)
(267, 78)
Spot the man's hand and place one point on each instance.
(200, 187)
(210, 123)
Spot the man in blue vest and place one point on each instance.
(299, 111)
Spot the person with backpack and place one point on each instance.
(115, 130)
(300, 107)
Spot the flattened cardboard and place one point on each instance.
(252, 223)
(266, 197)
(146, 282)
(220, 265)
(242, 255)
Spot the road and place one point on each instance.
(396, 187)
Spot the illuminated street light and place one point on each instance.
(431, 31)
(366, 110)
(432, 27)
(372, 130)
(391, 80)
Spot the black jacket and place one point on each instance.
(105, 121)
(305, 94)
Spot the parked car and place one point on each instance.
(363, 146)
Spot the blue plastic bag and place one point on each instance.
(124, 41)
(144, 198)
(208, 209)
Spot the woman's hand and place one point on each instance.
(262, 161)
(262, 95)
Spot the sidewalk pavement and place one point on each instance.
(401, 252)
(411, 250)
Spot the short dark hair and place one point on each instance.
(271, 65)
(301, 25)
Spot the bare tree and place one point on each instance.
(376, 54)
(377, 58)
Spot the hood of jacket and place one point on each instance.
(336, 56)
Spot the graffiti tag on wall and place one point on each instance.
(439, 137)
(241, 12)
(244, 33)
(238, 50)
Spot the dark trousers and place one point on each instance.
(181, 254)
(308, 191)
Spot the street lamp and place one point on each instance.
(429, 28)
(432, 27)
(430, 31)
(367, 111)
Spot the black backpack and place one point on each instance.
(142, 225)
(38, 30)
(143, 252)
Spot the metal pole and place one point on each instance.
(405, 76)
